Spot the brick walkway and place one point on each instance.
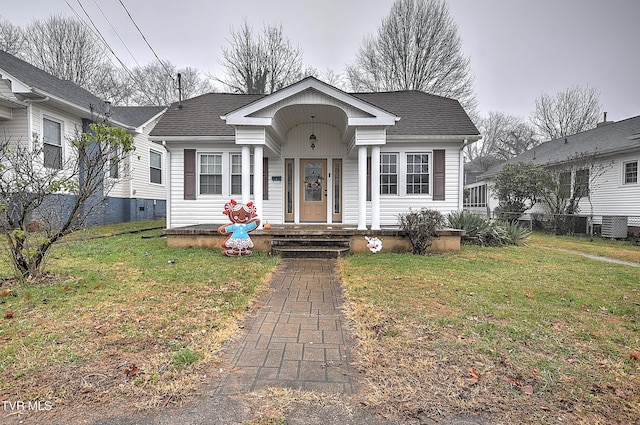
(296, 338)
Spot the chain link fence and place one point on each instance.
(613, 226)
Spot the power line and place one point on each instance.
(116, 32)
(146, 41)
(96, 32)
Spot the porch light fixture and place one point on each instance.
(312, 138)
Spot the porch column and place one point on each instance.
(257, 181)
(375, 188)
(246, 174)
(362, 188)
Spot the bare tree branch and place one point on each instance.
(417, 47)
(260, 63)
(571, 111)
(11, 38)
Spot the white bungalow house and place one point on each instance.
(36, 105)
(601, 162)
(313, 154)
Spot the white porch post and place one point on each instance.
(375, 188)
(362, 188)
(246, 174)
(257, 181)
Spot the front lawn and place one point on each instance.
(121, 318)
(517, 335)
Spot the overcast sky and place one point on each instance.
(518, 48)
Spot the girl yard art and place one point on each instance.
(243, 220)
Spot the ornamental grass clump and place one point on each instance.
(480, 230)
(420, 227)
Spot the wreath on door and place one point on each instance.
(313, 181)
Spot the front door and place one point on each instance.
(313, 190)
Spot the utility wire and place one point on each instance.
(98, 35)
(116, 33)
(146, 41)
(96, 32)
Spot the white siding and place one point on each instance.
(328, 143)
(274, 206)
(205, 209)
(208, 209)
(15, 129)
(609, 194)
(370, 135)
(141, 187)
(392, 205)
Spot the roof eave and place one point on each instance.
(81, 111)
(169, 139)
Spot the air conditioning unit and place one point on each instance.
(614, 226)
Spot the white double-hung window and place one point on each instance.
(211, 174)
(52, 143)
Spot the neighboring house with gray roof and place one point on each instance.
(35, 104)
(311, 153)
(612, 149)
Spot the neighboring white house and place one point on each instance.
(311, 153)
(37, 105)
(603, 162)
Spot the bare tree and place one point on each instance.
(417, 47)
(157, 84)
(41, 202)
(569, 112)
(260, 63)
(64, 47)
(117, 86)
(335, 79)
(11, 38)
(503, 136)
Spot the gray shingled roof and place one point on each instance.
(137, 115)
(604, 140)
(420, 113)
(66, 90)
(200, 116)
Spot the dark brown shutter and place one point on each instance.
(438, 175)
(189, 174)
(265, 176)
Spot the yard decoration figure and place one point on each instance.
(243, 220)
(374, 244)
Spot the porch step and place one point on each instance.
(310, 246)
(309, 251)
(310, 241)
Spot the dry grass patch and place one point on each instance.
(122, 318)
(272, 406)
(517, 335)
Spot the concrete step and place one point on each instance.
(310, 242)
(310, 251)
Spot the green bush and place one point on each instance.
(420, 227)
(480, 230)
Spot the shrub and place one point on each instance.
(480, 230)
(516, 233)
(420, 227)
